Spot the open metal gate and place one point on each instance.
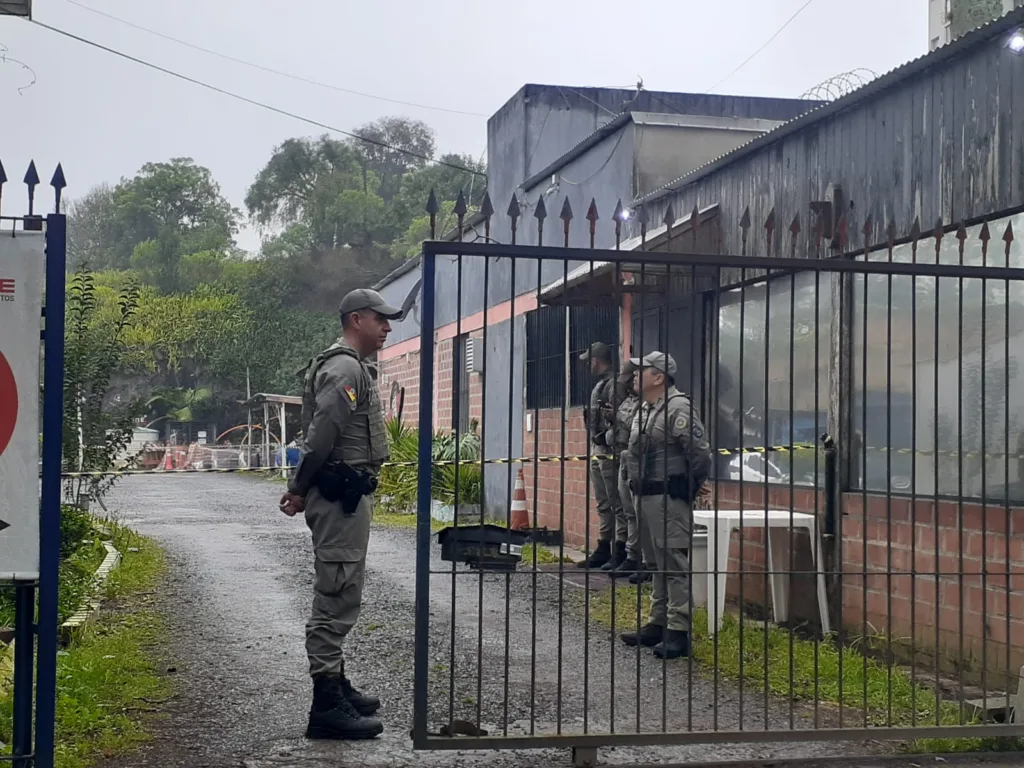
(854, 569)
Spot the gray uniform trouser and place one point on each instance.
(604, 476)
(633, 546)
(665, 531)
(339, 546)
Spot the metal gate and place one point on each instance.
(854, 573)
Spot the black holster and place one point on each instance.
(677, 487)
(341, 483)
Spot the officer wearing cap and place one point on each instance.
(343, 447)
(604, 473)
(669, 459)
(620, 425)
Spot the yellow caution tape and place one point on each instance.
(796, 447)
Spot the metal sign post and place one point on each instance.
(32, 264)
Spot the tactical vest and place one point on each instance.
(601, 393)
(364, 441)
(661, 458)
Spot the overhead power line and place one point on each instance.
(766, 43)
(270, 70)
(254, 102)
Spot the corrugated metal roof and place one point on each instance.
(962, 44)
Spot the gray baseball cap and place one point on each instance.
(600, 350)
(659, 361)
(365, 298)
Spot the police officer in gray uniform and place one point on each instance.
(620, 424)
(344, 445)
(669, 459)
(604, 473)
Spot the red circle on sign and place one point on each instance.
(8, 403)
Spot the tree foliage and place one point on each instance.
(335, 214)
(98, 426)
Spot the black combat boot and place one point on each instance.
(642, 575)
(365, 705)
(617, 559)
(598, 557)
(332, 715)
(648, 636)
(675, 645)
(630, 567)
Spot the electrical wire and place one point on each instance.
(767, 42)
(263, 68)
(254, 102)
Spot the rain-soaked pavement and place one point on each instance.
(237, 596)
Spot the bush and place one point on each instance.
(80, 555)
(397, 490)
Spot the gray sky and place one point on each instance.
(103, 116)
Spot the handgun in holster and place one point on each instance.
(342, 483)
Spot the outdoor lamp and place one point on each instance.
(1016, 41)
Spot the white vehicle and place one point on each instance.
(755, 468)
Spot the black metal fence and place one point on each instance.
(868, 590)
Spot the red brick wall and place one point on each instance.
(405, 369)
(546, 434)
(911, 590)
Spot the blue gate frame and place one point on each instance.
(42, 633)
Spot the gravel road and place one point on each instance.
(237, 597)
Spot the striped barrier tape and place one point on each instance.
(762, 449)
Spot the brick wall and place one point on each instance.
(405, 369)
(910, 586)
(553, 494)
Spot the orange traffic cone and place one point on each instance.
(520, 514)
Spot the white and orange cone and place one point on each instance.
(520, 514)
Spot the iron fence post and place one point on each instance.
(24, 647)
(49, 528)
(423, 497)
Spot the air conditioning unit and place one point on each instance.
(16, 8)
(474, 356)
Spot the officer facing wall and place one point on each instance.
(344, 445)
(604, 473)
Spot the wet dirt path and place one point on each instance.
(237, 597)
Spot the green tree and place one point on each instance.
(98, 421)
(177, 205)
(446, 182)
(398, 145)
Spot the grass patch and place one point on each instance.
(820, 671)
(544, 555)
(396, 520)
(107, 679)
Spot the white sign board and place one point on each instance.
(21, 302)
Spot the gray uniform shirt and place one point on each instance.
(342, 416)
(618, 433)
(667, 438)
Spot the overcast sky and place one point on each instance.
(104, 116)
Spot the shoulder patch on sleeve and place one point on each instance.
(681, 422)
(350, 392)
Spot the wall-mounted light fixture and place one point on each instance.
(1015, 42)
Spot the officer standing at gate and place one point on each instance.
(604, 473)
(620, 425)
(344, 445)
(669, 459)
